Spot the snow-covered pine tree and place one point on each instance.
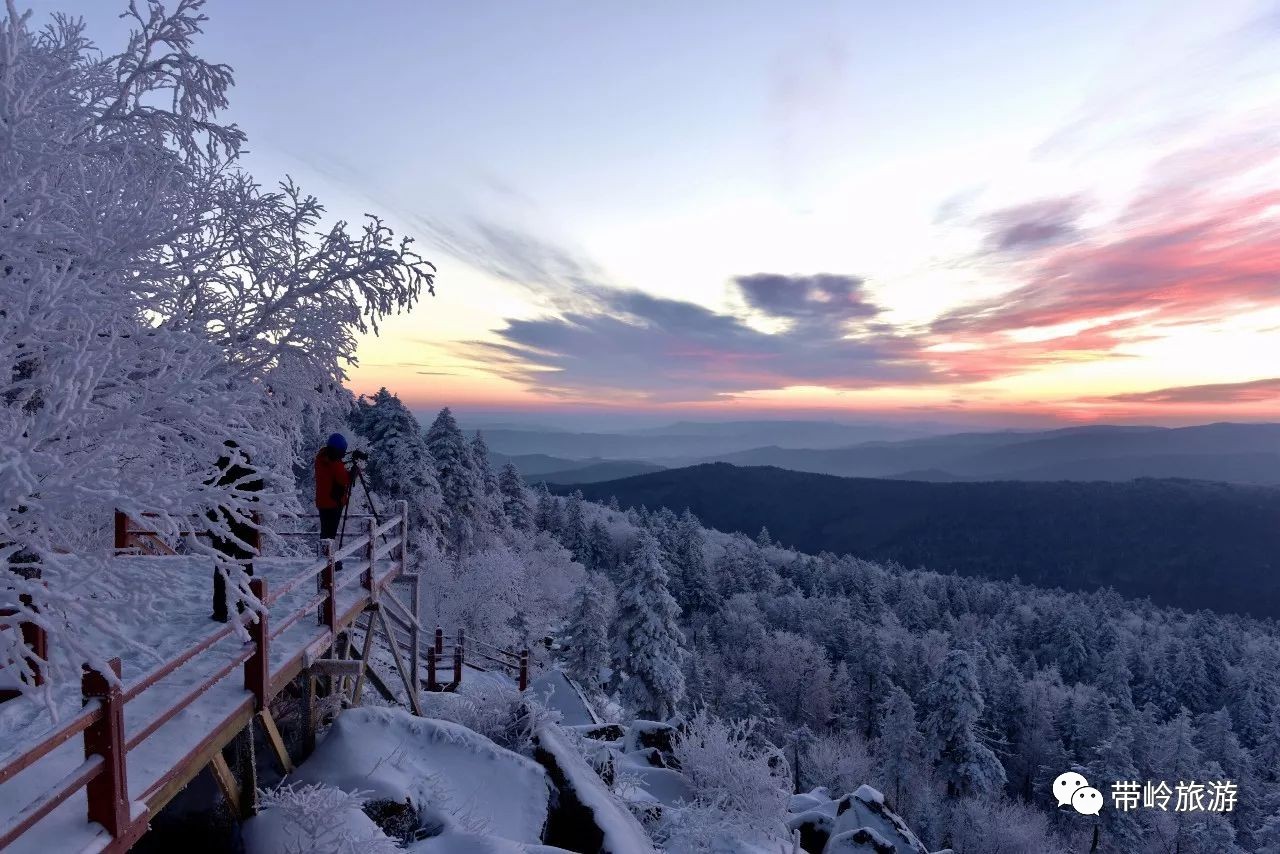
(955, 707)
(648, 644)
(490, 496)
(515, 498)
(547, 514)
(460, 485)
(763, 540)
(480, 457)
(400, 465)
(573, 533)
(586, 636)
(600, 547)
(900, 749)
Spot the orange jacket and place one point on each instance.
(333, 482)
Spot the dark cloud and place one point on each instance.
(823, 298)
(633, 344)
(1034, 225)
(1254, 391)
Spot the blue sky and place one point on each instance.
(981, 183)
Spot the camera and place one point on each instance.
(358, 456)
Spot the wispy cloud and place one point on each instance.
(1200, 242)
(1254, 391)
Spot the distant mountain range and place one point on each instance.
(1234, 453)
(686, 442)
(1190, 544)
(538, 468)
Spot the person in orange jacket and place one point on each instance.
(333, 486)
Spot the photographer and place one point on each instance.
(333, 486)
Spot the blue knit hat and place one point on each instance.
(337, 441)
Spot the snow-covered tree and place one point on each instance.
(900, 748)
(599, 547)
(515, 498)
(698, 592)
(648, 644)
(955, 706)
(547, 514)
(400, 465)
(460, 485)
(161, 303)
(573, 532)
(586, 635)
(737, 787)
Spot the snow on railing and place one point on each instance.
(103, 774)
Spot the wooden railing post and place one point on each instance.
(432, 683)
(329, 583)
(370, 549)
(121, 531)
(457, 657)
(524, 669)
(107, 792)
(439, 641)
(257, 670)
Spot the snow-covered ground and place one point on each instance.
(475, 795)
(162, 604)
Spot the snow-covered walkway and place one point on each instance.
(162, 604)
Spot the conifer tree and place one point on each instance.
(459, 484)
(547, 513)
(587, 636)
(400, 464)
(515, 500)
(955, 705)
(573, 533)
(649, 646)
(698, 591)
(901, 746)
(600, 546)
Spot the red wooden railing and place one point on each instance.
(103, 774)
(461, 655)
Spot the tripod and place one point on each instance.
(357, 475)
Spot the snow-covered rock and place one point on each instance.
(810, 800)
(586, 808)
(859, 823)
(865, 810)
(454, 775)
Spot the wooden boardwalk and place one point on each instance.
(126, 746)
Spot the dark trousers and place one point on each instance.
(240, 555)
(330, 518)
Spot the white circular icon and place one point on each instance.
(1087, 801)
(1066, 785)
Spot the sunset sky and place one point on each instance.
(989, 210)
